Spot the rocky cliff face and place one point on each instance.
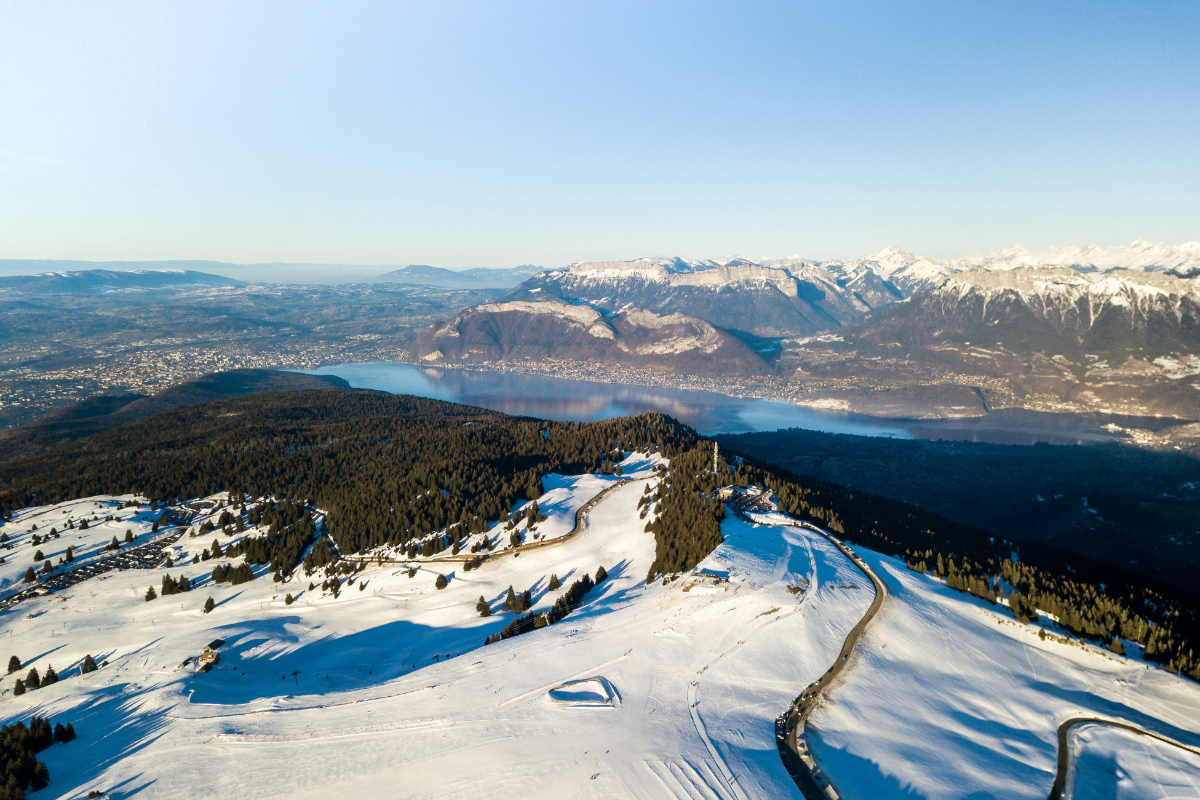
(790, 297)
(520, 329)
(1054, 310)
(782, 297)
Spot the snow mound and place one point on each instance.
(593, 692)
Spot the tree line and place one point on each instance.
(1090, 598)
(399, 470)
(389, 470)
(20, 770)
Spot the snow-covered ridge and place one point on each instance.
(1059, 279)
(907, 272)
(1060, 287)
(583, 316)
(1138, 255)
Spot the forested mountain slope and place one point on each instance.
(105, 411)
(391, 469)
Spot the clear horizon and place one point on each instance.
(317, 273)
(465, 135)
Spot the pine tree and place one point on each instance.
(19, 688)
(441, 582)
(151, 594)
(38, 556)
(215, 550)
(601, 574)
(483, 608)
(89, 664)
(14, 664)
(209, 605)
(288, 600)
(32, 679)
(554, 582)
(47, 568)
(128, 535)
(113, 545)
(50, 677)
(510, 600)
(30, 575)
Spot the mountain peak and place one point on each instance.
(893, 253)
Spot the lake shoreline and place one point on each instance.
(714, 412)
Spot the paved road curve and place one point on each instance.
(789, 728)
(580, 520)
(1064, 746)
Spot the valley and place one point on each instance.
(892, 335)
(608, 401)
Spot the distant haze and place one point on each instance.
(477, 277)
(1140, 254)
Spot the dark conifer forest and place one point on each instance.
(390, 470)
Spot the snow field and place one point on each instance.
(356, 695)
(87, 543)
(1122, 765)
(948, 692)
(387, 690)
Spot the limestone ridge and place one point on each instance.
(1050, 309)
(519, 329)
(780, 297)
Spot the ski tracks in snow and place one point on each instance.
(731, 786)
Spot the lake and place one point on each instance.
(708, 412)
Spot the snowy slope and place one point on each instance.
(949, 692)
(86, 543)
(1111, 763)
(388, 690)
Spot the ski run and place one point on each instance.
(645, 691)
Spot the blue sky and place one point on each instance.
(500, 134)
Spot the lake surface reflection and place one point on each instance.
(585, 401)
(708, 412)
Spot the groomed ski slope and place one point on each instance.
(388, 691)
(1112, 763)
(950, 697)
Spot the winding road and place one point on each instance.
(694, 687)
(789, 728)
(580, 519)
(1064, 746)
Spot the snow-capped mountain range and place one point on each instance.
(1050, 308)
(797, 296)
